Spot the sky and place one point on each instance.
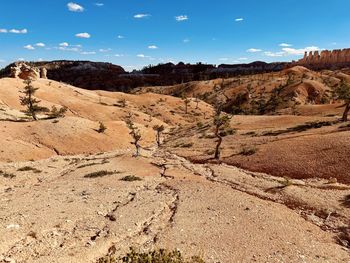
(136, 33)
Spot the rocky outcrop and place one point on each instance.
(43, 73)
(24, 71)
(325, 59)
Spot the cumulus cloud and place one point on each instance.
(240, 19)
(139, 16)
(29, 47)
(152, 47)
(293, 51)
(141, 56)
(186, 40)
(181, 18)
(120, 37)
(66, 47)
(99, 4)
(254, 50)
(18, 31)
(285, 45)
(74, 7)
(83, 35)
(288, 51)
(40, 44)
(3, 30)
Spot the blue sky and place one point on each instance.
(135, 33)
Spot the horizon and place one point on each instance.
(135, 35)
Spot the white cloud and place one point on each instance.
(152, 47)
(288, 51)
(285, 45)
(102, 50)
(274, 54)
(88, 53)
(254, 50)
(186, 40)
(99, 4)
(74, 49)
(240, 19)
(64, 44)
(119, 55)
(40, 45)
(29, 47)
(19, 31)
(296, 52)
(144, 56)
(181, 18)
(2, 30)
(120, 37)
(74, 7)
(138, 16)
(20, 59)
(83, 35)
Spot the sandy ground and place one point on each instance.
(57, 214)
(52, 210)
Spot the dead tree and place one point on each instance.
(221, 121)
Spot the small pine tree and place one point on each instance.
(159, 129)
(342, 92)
(102, 128)
(30, 102)
(135, 134)
(187, 102)
(58, 113)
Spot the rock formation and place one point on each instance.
(43, 73)
(24, 71)
(325, 59)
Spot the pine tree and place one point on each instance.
(159, 129)
(30, 102)
(135, 134)
(342, 92)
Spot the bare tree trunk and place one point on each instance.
(137, 150)
(346, 111)
(158, 138)
(218, 144)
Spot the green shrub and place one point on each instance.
(99, 174)
(131, 178)
(28, 168)
(7, 175)
(155, 256)
(102, 128)
(247, 151)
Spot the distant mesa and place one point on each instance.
(326, 59)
